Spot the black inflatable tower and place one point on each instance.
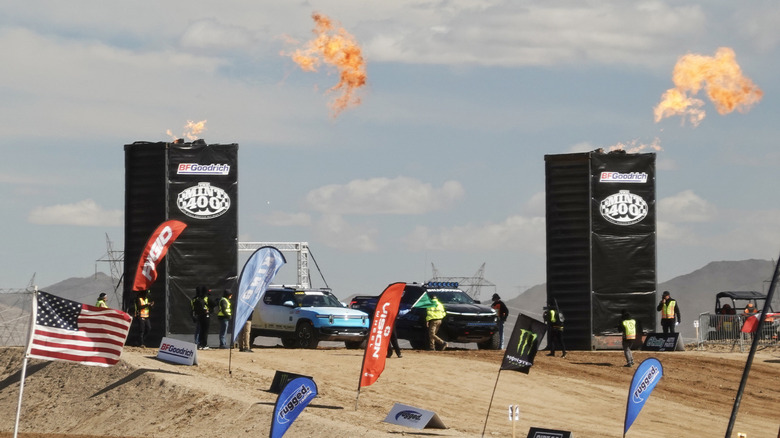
(197, 184)
(601, 243)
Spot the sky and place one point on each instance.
(436, 161)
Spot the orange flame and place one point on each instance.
(634, 147)
(192, 130)
(720, 76)
(338, 48)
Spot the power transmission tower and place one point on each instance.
(115, 260)
(473, 285)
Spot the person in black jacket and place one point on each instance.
(201, 307)
(555, 330)
(670, 312)
(503, 314)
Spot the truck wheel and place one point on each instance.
(305, 336)
(419, 344)
(355, 345)
(494, 343)
(289, 342)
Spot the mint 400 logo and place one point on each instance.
(203, 201)
(623, 208)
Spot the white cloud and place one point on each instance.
(83, 213)
(516, 232)
(506, 33)
(685, 206)
(401, 195)
(284, 219)
(537, 205)
(334, 231)
(211, 34)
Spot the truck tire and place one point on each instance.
(419, 344)
(289, 341)
(356, 345)
(305, 336)
(494, 343)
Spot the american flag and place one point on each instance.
(71, 331)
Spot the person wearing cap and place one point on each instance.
(433, 318)
(101, 301)
(555, 328)
(503, 314)
(143, 308)
(670, 312)
(628, 327)
(224, 314)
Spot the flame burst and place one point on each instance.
(192, 130)
(334, 46)
(635, 147)
(720, 76)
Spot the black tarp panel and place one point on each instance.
(567, 215)
(206, 253)
(623, 239)
(197, 184)
(601, 253)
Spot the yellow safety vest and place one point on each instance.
(101, 303)
(227, 311)
(436, 312)
(629, 329)
(667, 312)
(143, 312)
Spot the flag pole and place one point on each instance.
(33, 312)
(21, 391)
(753, 348)
(491, 403)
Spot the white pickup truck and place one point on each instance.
(304, 317)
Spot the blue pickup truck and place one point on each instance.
(466, 321)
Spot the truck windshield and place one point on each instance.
(451, 296)
(316, 299)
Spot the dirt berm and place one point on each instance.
(585, 393)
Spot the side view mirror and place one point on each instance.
(288, 304)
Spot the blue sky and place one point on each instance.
(443, 161)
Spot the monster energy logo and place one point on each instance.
(525, 342)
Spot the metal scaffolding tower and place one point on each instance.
(471, 285)
(301, 249)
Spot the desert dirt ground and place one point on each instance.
(228, 394)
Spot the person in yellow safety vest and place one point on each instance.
(143, 307)
(670, 312)
(555, 329)
(201, 307)
(224, 314)
(433, 317)
(628, 327)
(101, 301)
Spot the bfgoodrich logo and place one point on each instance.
(623, 208)
(203, 201)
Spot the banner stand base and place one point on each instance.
(537, 432)
(409, 416)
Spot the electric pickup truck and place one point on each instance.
(304, 317)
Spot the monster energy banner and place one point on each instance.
(523, 344)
